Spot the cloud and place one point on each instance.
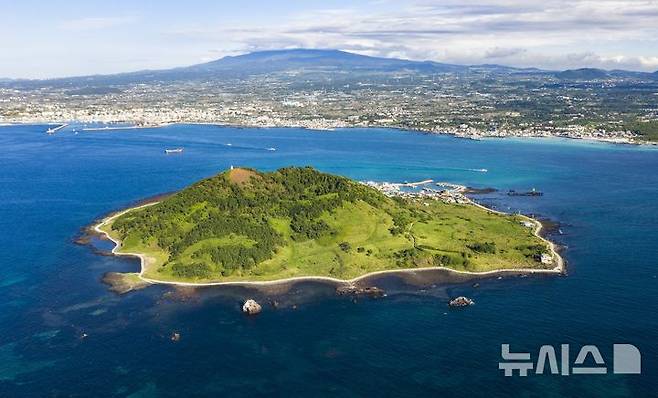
(499, 52)
(543, 33)
(613, 61)
(95, 23)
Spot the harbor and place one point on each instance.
(444, 191)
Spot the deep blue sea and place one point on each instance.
(605, 198)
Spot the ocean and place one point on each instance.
(62, 333)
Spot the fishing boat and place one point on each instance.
(271, 149)
(174, 150)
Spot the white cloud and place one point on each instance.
(544, 33)
(551, 34)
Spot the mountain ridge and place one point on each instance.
(318, 60)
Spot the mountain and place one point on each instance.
(323, 64)
(257, 63)
(308, 61)
(282, 60)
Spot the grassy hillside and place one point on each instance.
(246, 225)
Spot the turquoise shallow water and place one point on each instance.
(408, 344)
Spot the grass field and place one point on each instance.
(360, 241)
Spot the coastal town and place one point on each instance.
(474, 105)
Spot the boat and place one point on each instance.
(271, 149)
(53, 130)
(174, 150)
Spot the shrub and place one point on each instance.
(486, 247)
(345, 246)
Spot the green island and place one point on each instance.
(243, 225)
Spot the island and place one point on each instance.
(244, 226)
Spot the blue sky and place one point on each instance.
(64, 38)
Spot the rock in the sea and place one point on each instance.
(353, 290)
(373, 292)
(461, 301)
(122, 283)
(251, 307)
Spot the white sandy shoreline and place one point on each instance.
(557, 270)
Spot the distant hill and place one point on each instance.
(583, 74)
(246, 225)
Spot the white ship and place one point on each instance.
(53, 130)
(174, 150)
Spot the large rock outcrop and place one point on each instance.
(251, 307)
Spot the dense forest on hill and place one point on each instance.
(246, 224)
